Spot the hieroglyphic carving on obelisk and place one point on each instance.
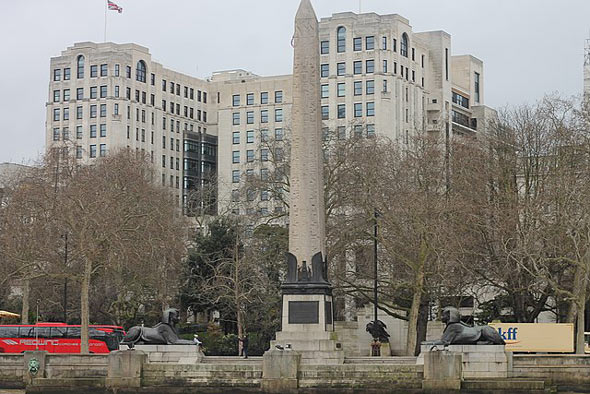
(306, 194)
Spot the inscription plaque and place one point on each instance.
(304, 312)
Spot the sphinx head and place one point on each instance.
(450, 314)
(171, 316)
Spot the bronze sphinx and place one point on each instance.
(458, 333)
(163, 333)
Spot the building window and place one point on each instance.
(476, 82)
(341, 132)
(357, 44)
(264, 135)
(153, 79)
(93, 111)
(249, 117)
(56, 134)
(385, 86)
(325, 47)
(66, 133)
(235, 157)
(447, 64)
(371, 109)
(93, 71)
(324, 91)
(79, 132)
(235, 100)
(264, 116)
(250, 155)
(264, 154)
(384, 66)
(250, 99)
(249, 136)
(324, 70)
(278, 134)
(341, 39)
(103, 150)
(264, 174)
(103, 130)
(236, 137)
(370, 130)
(236, 118)
(56, 94)
(358, 110)
(128, 71)
(103, 91)
(370, 67)
(370, 43)
(103, 110)
(66, 115)
(325, 112)
(93, 92)
(116, 111)
(79, 112)
(57, 74)
(56, 114)
(395, 67)
(92, 131)
(66, 74)
(413, 54)
(341, 89)
(394, 45)
(92, 151)
(117, 70)
(370, 87)
(422, 61)
(357, 67)
(80, 65)
(235, 176)
(278, 115)
(413, 76)
(358, 88)
(78, 152)
(340, 69)
(358, 130)
(403, 49)
(278, 97)
(66, 94)
(263, 97)
(384, 43)
(103, 70)
(341, 111)
(79, 93)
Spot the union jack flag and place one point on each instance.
(114, 7)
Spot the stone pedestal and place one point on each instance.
(125, 368)
(176, 354)
(34, 365)
(315, 347)
(442, 371)
(280, 369)
(479, 361)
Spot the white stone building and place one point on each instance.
(378, 77)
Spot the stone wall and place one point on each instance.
(11, 370)
(561, 369)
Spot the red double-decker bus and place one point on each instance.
(58, 338)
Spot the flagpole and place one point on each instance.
(105, 20)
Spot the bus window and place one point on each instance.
(8, 332)
(27, 332)
(42, 332)
(58, 332)
(73, 332)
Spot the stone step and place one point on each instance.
(505, 385)
(381, 360)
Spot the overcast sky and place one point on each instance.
(529, 47)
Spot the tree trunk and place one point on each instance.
(415, 311)
(237, 293)
(85, 308)
(581, 309)
(578, 283)
(24, 314)
(422, 325)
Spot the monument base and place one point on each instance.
(315, 347)
(280, 369)
(478, 361)
(177, 354)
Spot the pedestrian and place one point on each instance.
(244, 340)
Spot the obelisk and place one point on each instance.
(307, 313)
